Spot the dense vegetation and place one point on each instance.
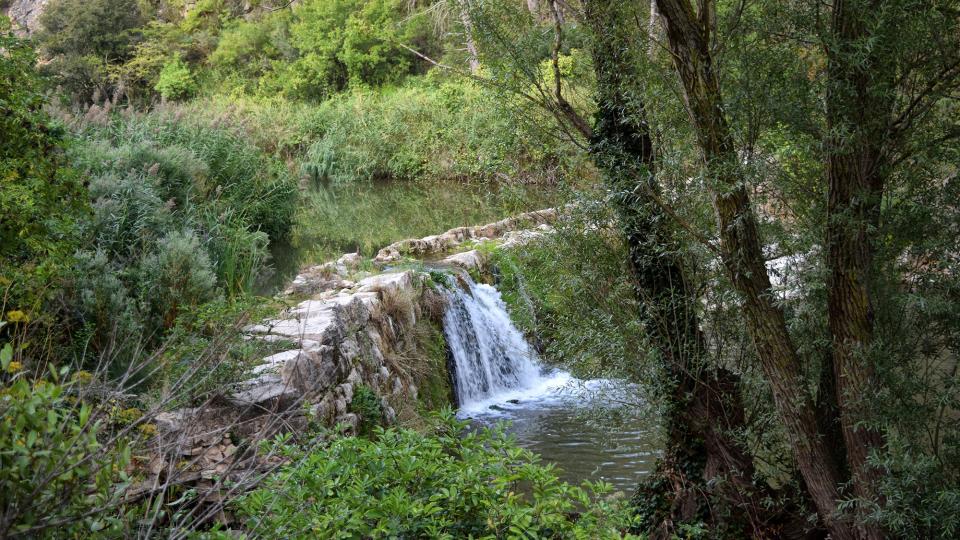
(763, 237)
(449, 483)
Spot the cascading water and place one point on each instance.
(497, 376)
(492, 361)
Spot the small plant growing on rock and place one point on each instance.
(367, 405)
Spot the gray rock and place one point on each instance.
(267, 391)
(311, 372)
(351, 420)
(346, 391)
(26, 13)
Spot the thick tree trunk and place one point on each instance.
(688, 33)
(705, 409)
(857, 113)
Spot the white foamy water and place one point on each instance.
(493, 363)
(497, 376)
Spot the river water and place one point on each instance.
(592, 430)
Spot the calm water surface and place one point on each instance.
(576, 425)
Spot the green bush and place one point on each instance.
(41, 200)
(183, 214)
(430, 129)
(322, 47)
(84, 38)
(177, 274)
(176, 80)
(56, 479)
(921, 496)
(367, 404)
(105, 309)
(452, 483)
(129, 214)
(201, 175)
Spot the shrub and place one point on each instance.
(129, 215)
(41, 200)
(183, 214)
(56, 480)
(177, 274)
(452, 483)
(176, 80)
(106, 311)
(86, 37)
(367, 404)
(443, 131)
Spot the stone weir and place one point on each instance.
(336, 342)
(352, 330)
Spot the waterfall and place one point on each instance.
(491, 359)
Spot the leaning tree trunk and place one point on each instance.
(857, 115)
(688, 33)
(705, 409)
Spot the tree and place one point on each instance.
(86, 39)
(690, 35)
(700, 446)
(40, 199)
(703, 402)
(883, 83)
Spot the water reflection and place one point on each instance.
(586, 428)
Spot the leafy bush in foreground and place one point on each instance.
(453, 483)
(56, 479)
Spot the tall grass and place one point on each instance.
(431, 129)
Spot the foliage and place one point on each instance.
(177, 274)
(452, 483)
(183, 214)
(442, 130)
(55, 479)
(176, 81)
(40, 199)
(571, 293)
(325, 47)
(366, 403)
(920, 500)
(83, 38)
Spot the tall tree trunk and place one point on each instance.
(468, 36)
(689, 36)
(653, 29)
(858, 109)
(705, 409)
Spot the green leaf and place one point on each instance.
(6, 355)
